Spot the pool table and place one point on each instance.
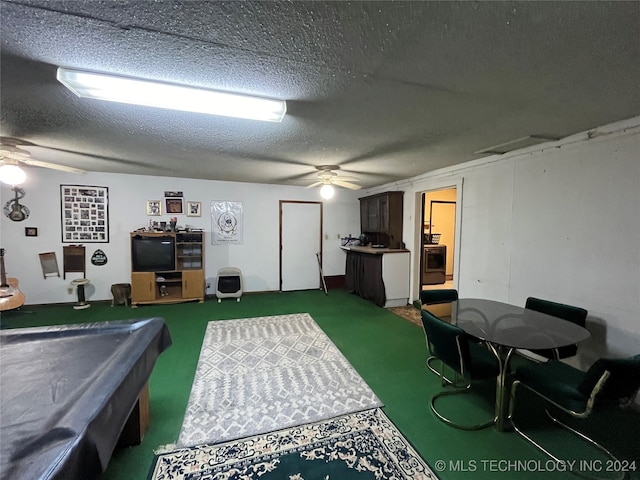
(66, 393)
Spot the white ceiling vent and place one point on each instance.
(517, 144)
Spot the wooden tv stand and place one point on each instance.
(185, 284)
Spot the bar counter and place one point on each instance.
(380, 275)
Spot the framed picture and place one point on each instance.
(154, 207)
(85, 214)
(194, 209)
(173, 205)
(31, 231)
(173, 194)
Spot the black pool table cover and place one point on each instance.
(66, 392)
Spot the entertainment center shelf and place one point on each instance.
(167, 267)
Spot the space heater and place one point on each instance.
(229, 283)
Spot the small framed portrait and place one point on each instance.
(194, 209)
(154, 207)
(173, 205)
(30, 231)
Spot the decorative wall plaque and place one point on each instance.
(99, 258)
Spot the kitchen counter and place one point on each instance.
(380, 275)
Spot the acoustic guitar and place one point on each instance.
(10, 296)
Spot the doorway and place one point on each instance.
(437, 245)
(300, 241)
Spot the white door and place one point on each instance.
(300, 240)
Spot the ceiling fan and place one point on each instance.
(327, 177)
(12, 157)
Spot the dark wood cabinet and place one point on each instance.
(369, 214)
(381, 218)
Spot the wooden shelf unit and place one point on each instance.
(184, 284)
(189, 254)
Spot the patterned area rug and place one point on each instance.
(363, 445)
(258, 375)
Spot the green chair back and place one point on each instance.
(448, 342)
(622, 385)
(566, 312)
(432, 297)
(570, 313)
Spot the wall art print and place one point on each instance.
(85, 214)
(154, 207)
(226, 222)
(173, 205)
(194, 209)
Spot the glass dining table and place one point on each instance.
(505, 328)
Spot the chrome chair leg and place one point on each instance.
(456, 389)
(586, 438)
(448, 421)
(561, 424)
(436, 371)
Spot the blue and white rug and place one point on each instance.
(257, 375)
(358, 446)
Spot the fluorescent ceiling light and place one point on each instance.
(327, 191)
(166, 95)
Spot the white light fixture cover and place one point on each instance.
(327, 191)
(12, 175)
(165, 95)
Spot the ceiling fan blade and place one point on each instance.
(349, 185)
(53, 166)
(314, 184)
(8, 152)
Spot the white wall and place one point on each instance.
(257, 257)
(561, 222)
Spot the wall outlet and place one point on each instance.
(70, 290)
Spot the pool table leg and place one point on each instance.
(138, 421)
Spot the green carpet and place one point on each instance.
(388, 352)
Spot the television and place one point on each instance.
(153, 253)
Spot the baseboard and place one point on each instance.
(335, 281)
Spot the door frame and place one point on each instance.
(280, 205)
(423, 200)
(418, 230)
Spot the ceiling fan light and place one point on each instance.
(327, 191)
(12, 175)
(165, 95)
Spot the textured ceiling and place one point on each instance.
(386, 90)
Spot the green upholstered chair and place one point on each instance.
(607, 383)
(569, 313)
(433, 297)
(468, 361)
